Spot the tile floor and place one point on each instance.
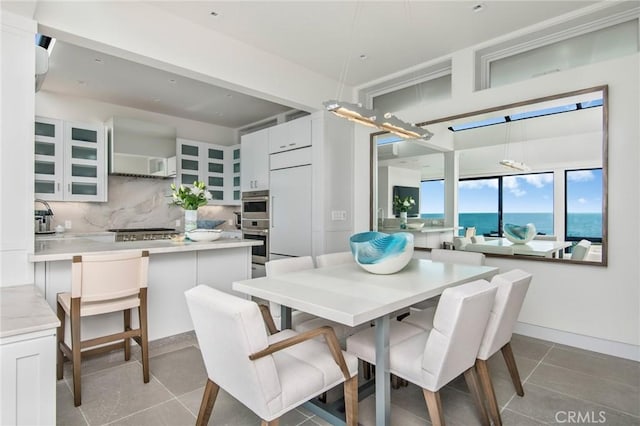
(559, 382)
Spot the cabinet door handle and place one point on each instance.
(292, 144)
(283, 146)
(58, 186)
(69, 187)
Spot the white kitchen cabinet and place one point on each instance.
(290, 135)
(212, 164)
(70, 161)
(254, 173)
(236, 189)
(290, 221)
(28, 366)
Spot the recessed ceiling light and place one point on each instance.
(213, 13)
(478, 7)
(363, 56)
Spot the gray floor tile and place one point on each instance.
(180, 371)
(590, 388)
(229, 411)
(96, 363)
(611, 368)
(399, 415)
(112, 394)
(66, 413)
(170, 413)
(512, 418)
(551, 407)
(529, 347)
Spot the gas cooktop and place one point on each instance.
(141, 234)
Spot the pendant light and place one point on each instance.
(508, 162)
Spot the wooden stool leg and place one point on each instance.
(434, 405)
(476, 394)
(507, 354)
(59, 340)
(487, 386)
(351, 401)
(76, 350)
(366, 370)
(208, 399)
(127, 327)
(144, 338)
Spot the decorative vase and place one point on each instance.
(519, 234)
(381, 253)
(190, 220)
(403, 220)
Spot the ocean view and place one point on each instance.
(588, 225)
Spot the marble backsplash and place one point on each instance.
(134, 203)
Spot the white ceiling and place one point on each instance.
(327, 37)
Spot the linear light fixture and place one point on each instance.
(353, 112)
(393, 124)
(515, 165)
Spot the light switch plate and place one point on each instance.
(338, 215)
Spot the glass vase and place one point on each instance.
(190, 220)
(403, 220)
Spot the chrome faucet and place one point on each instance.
(42, 221)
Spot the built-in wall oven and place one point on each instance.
(255, 223)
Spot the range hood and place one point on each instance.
(140, 148)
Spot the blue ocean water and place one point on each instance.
(583, 225)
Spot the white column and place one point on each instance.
(451, 175)
(17, 76)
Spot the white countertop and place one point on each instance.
(424, 229)
(66, 248)
(23, 309)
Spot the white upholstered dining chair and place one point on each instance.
(101, 284)
(300, 321)
(581, 250)
(512, 288)
(339, 258)
(432, 358)
(269, 374)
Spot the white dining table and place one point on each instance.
(540, 248)
(349, 295)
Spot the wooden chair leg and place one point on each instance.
(476, 393)
(208, 399)
(507, 354)
(434, 406)
(127, 327)
(323, 397)
(351, 401)
(482, 369)
(274, 422)
(396, 382)
(366, 370)
(144, 336)
(60, 340)
(76, 350)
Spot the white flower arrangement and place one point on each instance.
(190, 198)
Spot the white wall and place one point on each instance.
(17, 77)
(599, 306)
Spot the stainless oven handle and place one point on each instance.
(265, 198)
(271, 207)
(255, 232)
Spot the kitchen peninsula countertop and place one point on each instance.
(424, 229)
(23, 309)
(66, 248)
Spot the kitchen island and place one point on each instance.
(427, 236)
(174, 267)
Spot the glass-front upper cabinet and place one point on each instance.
(218, 166)
(70, 161)
(235, 173)
(49, 157)
(85, 169)
(215, 170)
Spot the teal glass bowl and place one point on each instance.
(519, 234)
(381, 253)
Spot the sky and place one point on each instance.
(532, 193)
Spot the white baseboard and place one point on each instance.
(621, 350)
